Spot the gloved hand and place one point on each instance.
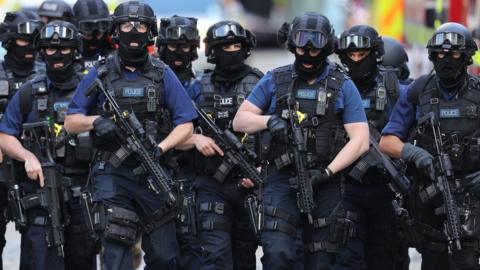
(105, 129)
(278, 127)
(319, 176)
(473, 183)
(157, 153)
(422, 159)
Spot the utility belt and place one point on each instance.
(119, 224)
(24, 209)
(372, 176)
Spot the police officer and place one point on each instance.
(226, 234)
(177, 46)
(396, 58)
(330, 107)
(51, 10)
(360, 49)
(45, 98)
(93, 21)
(144, 86)
(452, 96)
(17, 34)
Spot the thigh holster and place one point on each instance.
(210, 224)
(275, 219)
(122, 225)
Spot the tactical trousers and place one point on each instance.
(332, 241)
(226, 234)
(281, 227)
(376, 221)
(120, 188)
(191, 254)
(79, 248)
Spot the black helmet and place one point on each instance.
(395, 55)
(20, 24)
(92, 15)
(135, 11)
(57, 9)
(361, 37)
(225, 32)
(310, 29)
(452, 36)
(178, 29)
(59, 34)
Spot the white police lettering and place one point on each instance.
(226, 101)
(450, 113)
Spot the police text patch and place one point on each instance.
(307, 93)
(449, 113)
(133, 92)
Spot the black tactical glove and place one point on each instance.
(105, 129)
(157, 153)
(422, 159)
(319, 176)
(473, 183)
(278, 127)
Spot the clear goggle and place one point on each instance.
(59, 31)
(176, 32)
(229, 29)
(303, 37)
(359, 42)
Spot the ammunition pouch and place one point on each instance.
(121, 225)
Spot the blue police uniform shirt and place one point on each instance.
(176, 98)
(13, 119)
(405, 113)
(348, 100)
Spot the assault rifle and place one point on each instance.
(158, 180)
(441, 174)
(235, 153)
(39, 137)
(305, 199)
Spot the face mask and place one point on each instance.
(449, 69)
(318, 64)
(230, 62)
(178, 55)
(133, 56)
(362, 72)
(93, 46)
(62, 74)
(16, 59)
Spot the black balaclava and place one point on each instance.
(403, 72)
(230, 66)
(318, 62)
(98, 43)
(16, 61)
(363, 72)
(133, 56)
(62, 77)
(451, 71)
(183, 71)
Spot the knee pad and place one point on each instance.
(121, 225)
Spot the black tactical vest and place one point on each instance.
(74, 152)
(375, 100)
(144, 96)
(322, 125)
(459, 121)
(9, 84)
(222, 107)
